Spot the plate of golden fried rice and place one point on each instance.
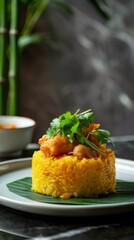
(74, 172)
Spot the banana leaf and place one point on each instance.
(124, 193)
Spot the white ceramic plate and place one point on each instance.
(16, 169)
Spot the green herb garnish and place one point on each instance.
(73, 126)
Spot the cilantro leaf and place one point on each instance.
(54, 128)
(86, 119)
(102, 135)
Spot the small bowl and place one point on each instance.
(16, 134)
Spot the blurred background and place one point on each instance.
(88, 63)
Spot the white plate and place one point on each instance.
(15, 169)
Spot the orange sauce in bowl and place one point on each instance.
(7, 126)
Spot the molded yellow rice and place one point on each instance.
(68, 176)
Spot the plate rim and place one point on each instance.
(60, 209)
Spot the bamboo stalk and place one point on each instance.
(13, 101)
(3, 31)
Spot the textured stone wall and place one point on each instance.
(93, 68)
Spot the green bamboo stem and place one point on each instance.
(3, 31)
(13, 101)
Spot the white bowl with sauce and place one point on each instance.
(16, 133)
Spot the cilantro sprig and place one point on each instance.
(73, 126)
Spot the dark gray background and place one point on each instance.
(92, 68)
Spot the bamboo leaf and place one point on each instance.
(35, 38)
(102, 7)
(34, 11)
(28, 1)
(27, 40)
(62, 5)
(125, 193)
